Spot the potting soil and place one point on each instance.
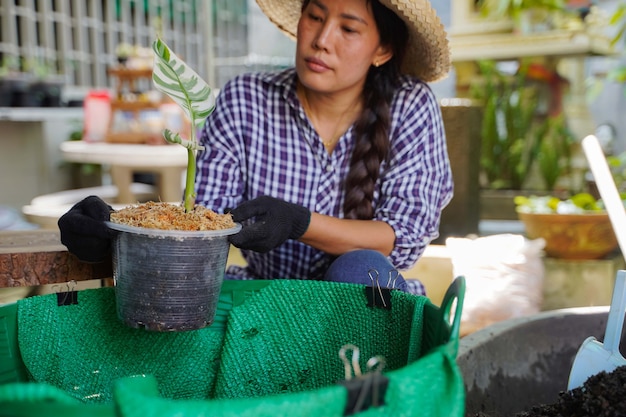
(168, 216)
(602, 395)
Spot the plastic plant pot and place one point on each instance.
(168, 280)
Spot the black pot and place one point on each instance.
(12, 88)
(168, 280)
(24, 90)
(42, 93)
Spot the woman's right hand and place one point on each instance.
(84, 232)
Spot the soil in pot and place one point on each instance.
(169, 265)
(602, 395)
(167, 216)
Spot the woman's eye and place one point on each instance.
(348, 29)
(315, 17)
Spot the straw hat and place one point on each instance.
(428, 54)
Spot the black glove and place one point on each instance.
(274, 222)
(83, 230)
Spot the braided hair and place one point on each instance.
(372, 128)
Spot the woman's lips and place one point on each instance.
(316, 65)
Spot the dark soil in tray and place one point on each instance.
(603, 395)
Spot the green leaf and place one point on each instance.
(175, 138)
(618, 14)
(173, 77)
(585, 201)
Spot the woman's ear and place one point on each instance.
(382, 55)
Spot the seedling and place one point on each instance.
(173, 77)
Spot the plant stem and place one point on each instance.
(190, 192)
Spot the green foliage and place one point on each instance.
(616, 74)
(514, 137)
(578, 203)
(124, 50)
(499, 9)
(173, 77)
(10, 65)
(617, 166)
(508, 148)
(554, 156)
(618, 19)
(586, 202)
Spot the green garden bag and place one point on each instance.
(276, 348)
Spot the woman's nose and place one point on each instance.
(324, 36)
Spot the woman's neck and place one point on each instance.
(330, 115)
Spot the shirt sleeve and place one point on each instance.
(417, 182)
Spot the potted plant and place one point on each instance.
(45, 85)
(574, 228)
(508, 149)
(123, 52)
(554, 155)
(169, 259)
(525, 141)
(13, 82)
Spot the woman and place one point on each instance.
(337, 168)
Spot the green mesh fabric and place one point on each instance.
(83, 348)
(272, 352)
(138, 398)
(286, 338)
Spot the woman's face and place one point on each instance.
(337, 43)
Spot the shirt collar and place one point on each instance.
(287, 81)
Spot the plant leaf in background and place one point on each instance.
(174, 77)
(508, 149)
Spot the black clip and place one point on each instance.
(376, 295)
(68, 297)
(364, 391)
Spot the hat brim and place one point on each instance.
(428, 53)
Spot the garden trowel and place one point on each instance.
(593, 356)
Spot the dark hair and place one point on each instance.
(372, 128)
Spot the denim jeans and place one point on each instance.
(367, 267)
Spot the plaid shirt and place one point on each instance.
(258, 141)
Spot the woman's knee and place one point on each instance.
(367, 267)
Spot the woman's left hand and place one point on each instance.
(273, 222)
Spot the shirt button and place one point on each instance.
(329, 168)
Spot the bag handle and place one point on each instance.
(440, 324)
(455, 292)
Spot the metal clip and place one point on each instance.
(364, 390)
(350, 366)
(393, 277)
(376, 295)
(68, 297)
(376, 285)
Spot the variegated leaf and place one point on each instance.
(173, 77)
